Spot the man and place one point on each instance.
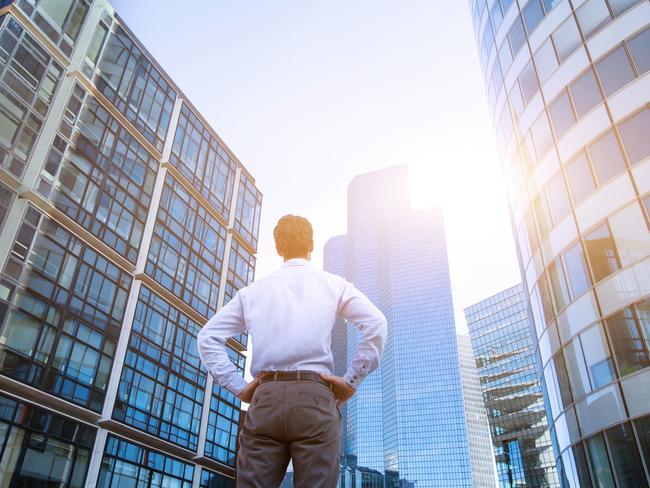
(294, 398)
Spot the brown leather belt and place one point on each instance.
(292, 376)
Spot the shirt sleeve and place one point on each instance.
(211, 341)
(360, 311)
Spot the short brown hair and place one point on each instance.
(294, 236)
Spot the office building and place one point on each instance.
(484, 473)
(407, 419)
(504, 347)
(125, 223)
(567, 84)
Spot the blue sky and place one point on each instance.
(309, 93)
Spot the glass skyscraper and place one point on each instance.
(568, 83)
(125, 222)
(478, 430)
(407, 419)
(504, 347)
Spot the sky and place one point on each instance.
(308, 94)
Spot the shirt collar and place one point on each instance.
(296, 262)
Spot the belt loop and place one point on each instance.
(275, 376)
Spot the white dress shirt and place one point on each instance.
(290, 314)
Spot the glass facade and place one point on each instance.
(571, 113)
(405, 423)
(478, 430)
(40, 448)
(111, 260)
(504, 351)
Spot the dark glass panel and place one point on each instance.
(65, 314)
(625, 457)
(629, 346)
(203, 161)
(131, 465)
(138, 90)
(600, 466)
(601, 252)
(162, 385)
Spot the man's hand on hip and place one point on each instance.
(246, 395)
(342, 390)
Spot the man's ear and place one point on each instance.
(311, 246)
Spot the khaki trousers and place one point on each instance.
(297, 420)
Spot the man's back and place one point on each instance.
(290, 314)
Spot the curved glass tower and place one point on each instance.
(568, 87)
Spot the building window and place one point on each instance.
(223, 421)
(39, 448)
(128, 464)
(136, 88)
(29, 77)
(642, 426)
(241, 271)
(576, 268)
(639, 47)
(545, 61)
(162, 386)
(606, 157)
(562, 114)
(592, 15)
(599, 361)
(625, 456)
(628, 341)
(630, 233)
(566, 38)
(6, 199)
(614, 71)
(516, 36)
(601, 252)
(563, 379)
(187, 248)
(601, 469)
(558, 198)
(247, 214)
(210, 479)
(634, 134)
(202, 160)
(620, 6)
(533, 15)
(581, 179)
(100, 176)
(65, 315)
(528, 82)
(60, 20)
(558, 285)
(585, 93)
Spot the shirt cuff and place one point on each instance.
(353, 379)
(236, 385)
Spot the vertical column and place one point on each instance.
(222, 290)
(157, 191)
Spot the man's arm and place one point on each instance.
(211, 342)
(357, 309)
